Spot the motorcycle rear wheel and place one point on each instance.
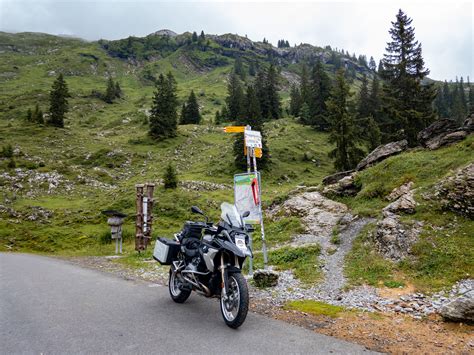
(177, 294)
(234, 309)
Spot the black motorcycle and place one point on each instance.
(208, 259)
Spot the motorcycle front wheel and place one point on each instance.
(235, 306)
(177, 293)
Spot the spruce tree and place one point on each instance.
(372, 134)
(202, 36)
(363, 104)
(38, 115)
(320, 91)
(190, 111)
(170, 178)
(58, 102)
(380, 68)
(462, 94)
(163, 119)
(110, 92)
(194, 37)
(342, 128)
(305, 88)
(182, 116)
(372, 65)
(118, 90)
(235, 99)
(271, 89)
(217, 118)
(252, 117)
(403, 70)
(305, 113)
(471, 97)
(295, 100)
(448, 100)
(374, 98)
(239, 69)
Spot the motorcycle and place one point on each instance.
(208, 259)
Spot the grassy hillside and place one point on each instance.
(51, 200)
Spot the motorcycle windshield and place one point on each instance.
(230, 215)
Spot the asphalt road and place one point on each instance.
(50, 306)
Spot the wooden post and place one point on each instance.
(139, 245)
(149, 215)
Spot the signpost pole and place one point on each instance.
(264, 245)
(249, 169)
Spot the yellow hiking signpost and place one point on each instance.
(253, 150)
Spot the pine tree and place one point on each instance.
(305, 113)
(194, 37)
(202, 36)
(118, 90)
(458, 112)
(190, 112)
(372, 65)
(295, 100)
(305, 88)
(110, 92)
(163, 119)
(380, 68)
(182, 116)
(170, 178)
(462, 94)
(372, 135)
(363, 104)
(271, 89)
(37, 116)
(235, 99)
(320, 92)
(403, 70)
(217, 118)
(342, 127)
(225, 114)
(29, 115)
(239, 69)
(374, 98)
(58, 102)
(448, 100)
(471, 97)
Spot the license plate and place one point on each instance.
(240, 242)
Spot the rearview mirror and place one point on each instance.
(246, 214)
(195, 209)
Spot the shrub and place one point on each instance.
(170, 178)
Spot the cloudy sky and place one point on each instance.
(445, 28)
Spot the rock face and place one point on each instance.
(332, 179)
(393, 239)
(382, 152)
(461, 309)
(457, 192)
(319, 214)
(343, 187)
(405, 203)
(265, 278)
(444, 132)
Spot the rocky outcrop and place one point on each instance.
(445, 132)
(405, 204)
(332, 179)
(460, 309)
(318, 214)
(399, 191)
(382, 152)
(393, 239)
(457, 192)
(265, 278)
(344, 187)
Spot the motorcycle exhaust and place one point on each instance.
(201, 288)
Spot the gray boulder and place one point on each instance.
(382, 152)
(399, 191)
(265, 278)
(405, 203)
(332, 179)
(436, 128)
(456, 192)
(446, 139)
(445, 132)
(344, 187)
(461, 309)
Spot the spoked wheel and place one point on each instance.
(235, 306)
(177, 293)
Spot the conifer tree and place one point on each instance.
(252, 70)
(235, 99)
(163, 119)
(305, 113)
(37, 115)
(110, 94)
(239, 69)
(225, 114)
(471, 97)
(305, 88)
(252, 117)
(271, 89)
(202, 36)
(372, 65)
(58, 102)
(462, 94)
(190, 112)
(380, 68)
(374, 98)
(295, 100)
(170, 178)
(320, 92)
(447, 98)
(403, 70)
(194, 37)
(29, 115)
(342, 128)
(372, 135)
(118, 90)
(363, 104)
(217, 118)
(182, 116)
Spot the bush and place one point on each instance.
(11, 164)
(7, 151)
